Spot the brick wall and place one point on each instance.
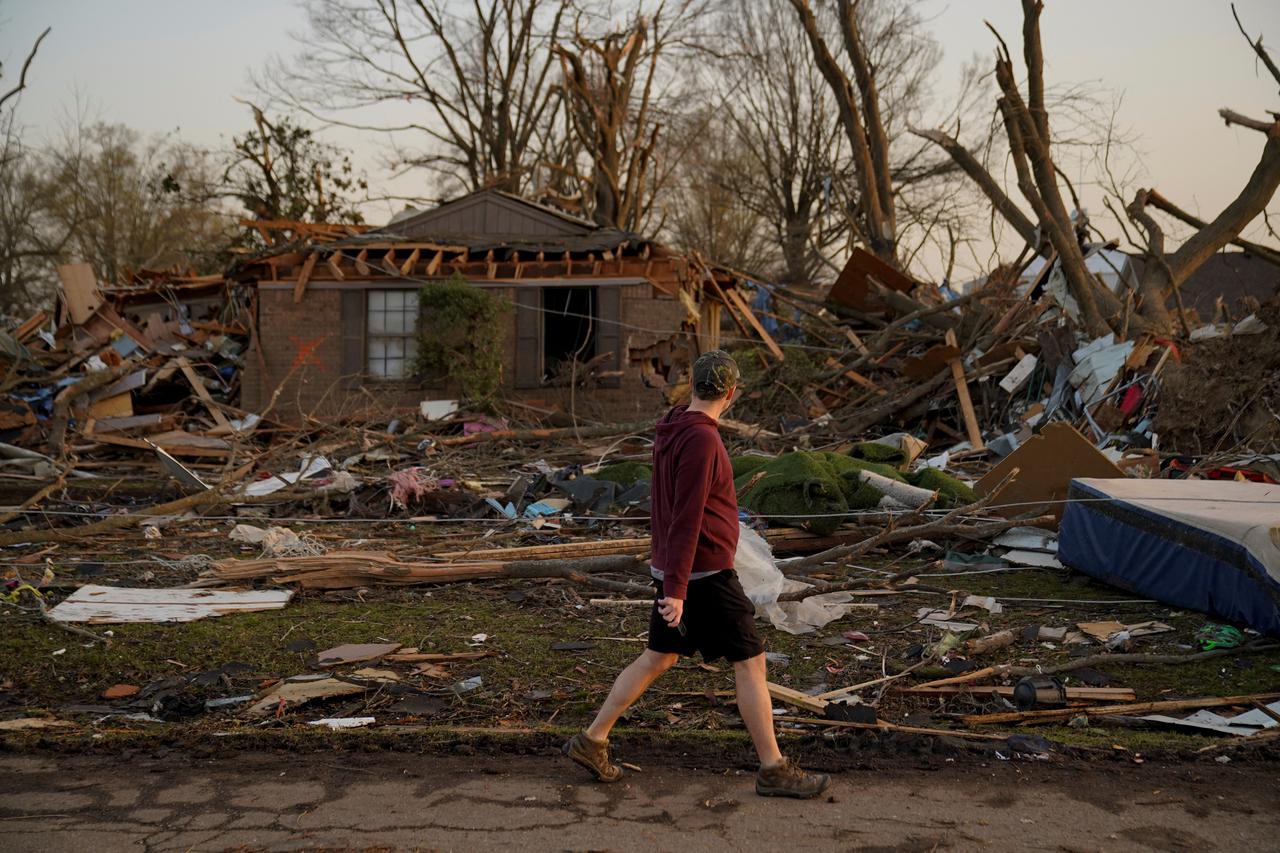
(309, 336)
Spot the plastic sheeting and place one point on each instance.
(1212, 546)
(763, 582)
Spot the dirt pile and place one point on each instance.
(1225, 394)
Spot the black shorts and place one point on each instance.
(719, 619)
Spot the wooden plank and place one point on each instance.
(1113, 694)
(856, 341)
(115, 406)
(750, 316)
(80, 288)
(30, 327)
(809, 703)
(174, 449)
(202, 392)
(362, 266)
(1112, 710)
(962, 394)
(892, 727)
(108, 605)
(304, 276)
(134, 422)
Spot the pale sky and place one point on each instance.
(178, 65)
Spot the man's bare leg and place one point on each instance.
(630, 685)
(756, 708)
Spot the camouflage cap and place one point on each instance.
(714, 373)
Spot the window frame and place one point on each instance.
(408, 337)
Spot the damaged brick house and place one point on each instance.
(336, 309)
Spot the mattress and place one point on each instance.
(1212, 546)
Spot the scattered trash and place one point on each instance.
(343, 722)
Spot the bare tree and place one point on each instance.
(22, 75)
(1165, 271)
(476, 77)
(280, 170)
(1040, 182)
(781, 118)
(706, 207)
(26, 248)
(877, 59)
(128, 203)
(615, 85)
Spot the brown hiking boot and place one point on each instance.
(592, 755)
(788, 780)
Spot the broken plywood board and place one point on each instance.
(300, 690)
(355, 653)
(1046, 464)
(1039, 559)
(1028, 539)
(110, 605)
(80, 288)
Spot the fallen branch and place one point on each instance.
(1136, 657)
(115, 522)
(1032, 717)
(884, 726)
(546, 434)
(945, 524)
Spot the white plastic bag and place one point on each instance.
(763, 582)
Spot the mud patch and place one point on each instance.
(1224, 394)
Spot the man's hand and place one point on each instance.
(671, 609)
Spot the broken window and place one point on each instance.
(391, 333)
(569, 321)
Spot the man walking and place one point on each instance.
(700, 605)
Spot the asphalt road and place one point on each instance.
(395, 801)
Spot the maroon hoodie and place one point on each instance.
(694, 506)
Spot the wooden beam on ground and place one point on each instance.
(962, 394)
(1030, 717)
(812, 704)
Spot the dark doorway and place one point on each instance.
(568, 329)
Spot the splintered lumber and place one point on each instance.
(789, 540)
(1073, 694)
(80, 289)
(549, 433)
(813, 704)
(436, 657)
(735, 299)
(966, 678)
(347, 569)
(1030, 717)
(304, 276)
(962, 394)
(601, 548)
(868, 417)
(203, 393)
(885, 726)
